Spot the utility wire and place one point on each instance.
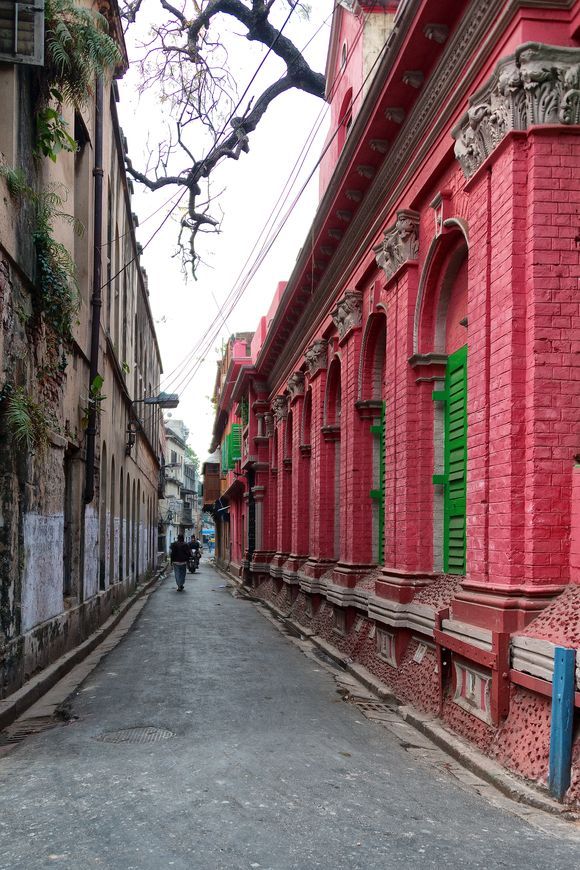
(283, 195)
(296, 168)
(184, 383)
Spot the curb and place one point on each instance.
(488, 770)
(19, 701)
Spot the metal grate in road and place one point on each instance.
(368, 704)
(140, 734)
(19, 731)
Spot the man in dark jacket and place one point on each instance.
(180, 553)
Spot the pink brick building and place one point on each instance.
(409, 409)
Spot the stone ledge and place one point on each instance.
(470, 634)
(417, 617)
(533, 656)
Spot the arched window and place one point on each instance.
(441, 327)
(113, 527)
(121, 524)
(372, 385)
(333, 405)
(138, 535)
(128, 527)
(103, 527)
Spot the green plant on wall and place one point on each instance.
(25, 421)
(94, 400)
(51, 131)
(77, 50)
(56, 297)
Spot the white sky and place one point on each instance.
(183, 310)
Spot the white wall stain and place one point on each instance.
(42, 576)
(91, 567)
(117, 541)
(107, 547)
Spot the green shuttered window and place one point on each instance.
(454, 479)
(235, 444)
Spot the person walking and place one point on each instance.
(180, 553)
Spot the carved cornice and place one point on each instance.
(539, 84)
(400, 243)
(348, 313)
(296, 385)
(316, 356)
(280, 408)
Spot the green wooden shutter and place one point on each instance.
(378, 495)
(455, 482)
(225, 465)
(235, 444)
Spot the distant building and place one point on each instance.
(179, 509)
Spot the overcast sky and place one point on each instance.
(182, 309)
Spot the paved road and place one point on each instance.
(269, 768)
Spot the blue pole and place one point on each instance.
(562, 721)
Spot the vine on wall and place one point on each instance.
(56, 295)
(77, 50)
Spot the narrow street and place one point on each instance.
(268, 768)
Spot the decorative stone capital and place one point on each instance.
(539, 84)
(316, 356)
(280, 408)
(269, 424)
(400, 243)
(348, 313)
(296, 385)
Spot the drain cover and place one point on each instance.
(19, 731)
(368, 704)
(142, 734)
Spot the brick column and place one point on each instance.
(355, 462)
(300, 483)
(524, 387)
(408, 448)
(320, 551)
(284, 484)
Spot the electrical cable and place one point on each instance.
(133, 259)
(237, 292)
(184, 383)
(141, 222)
(295, 169)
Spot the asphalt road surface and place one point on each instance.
(268, 768)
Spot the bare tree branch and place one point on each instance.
(186, 58)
